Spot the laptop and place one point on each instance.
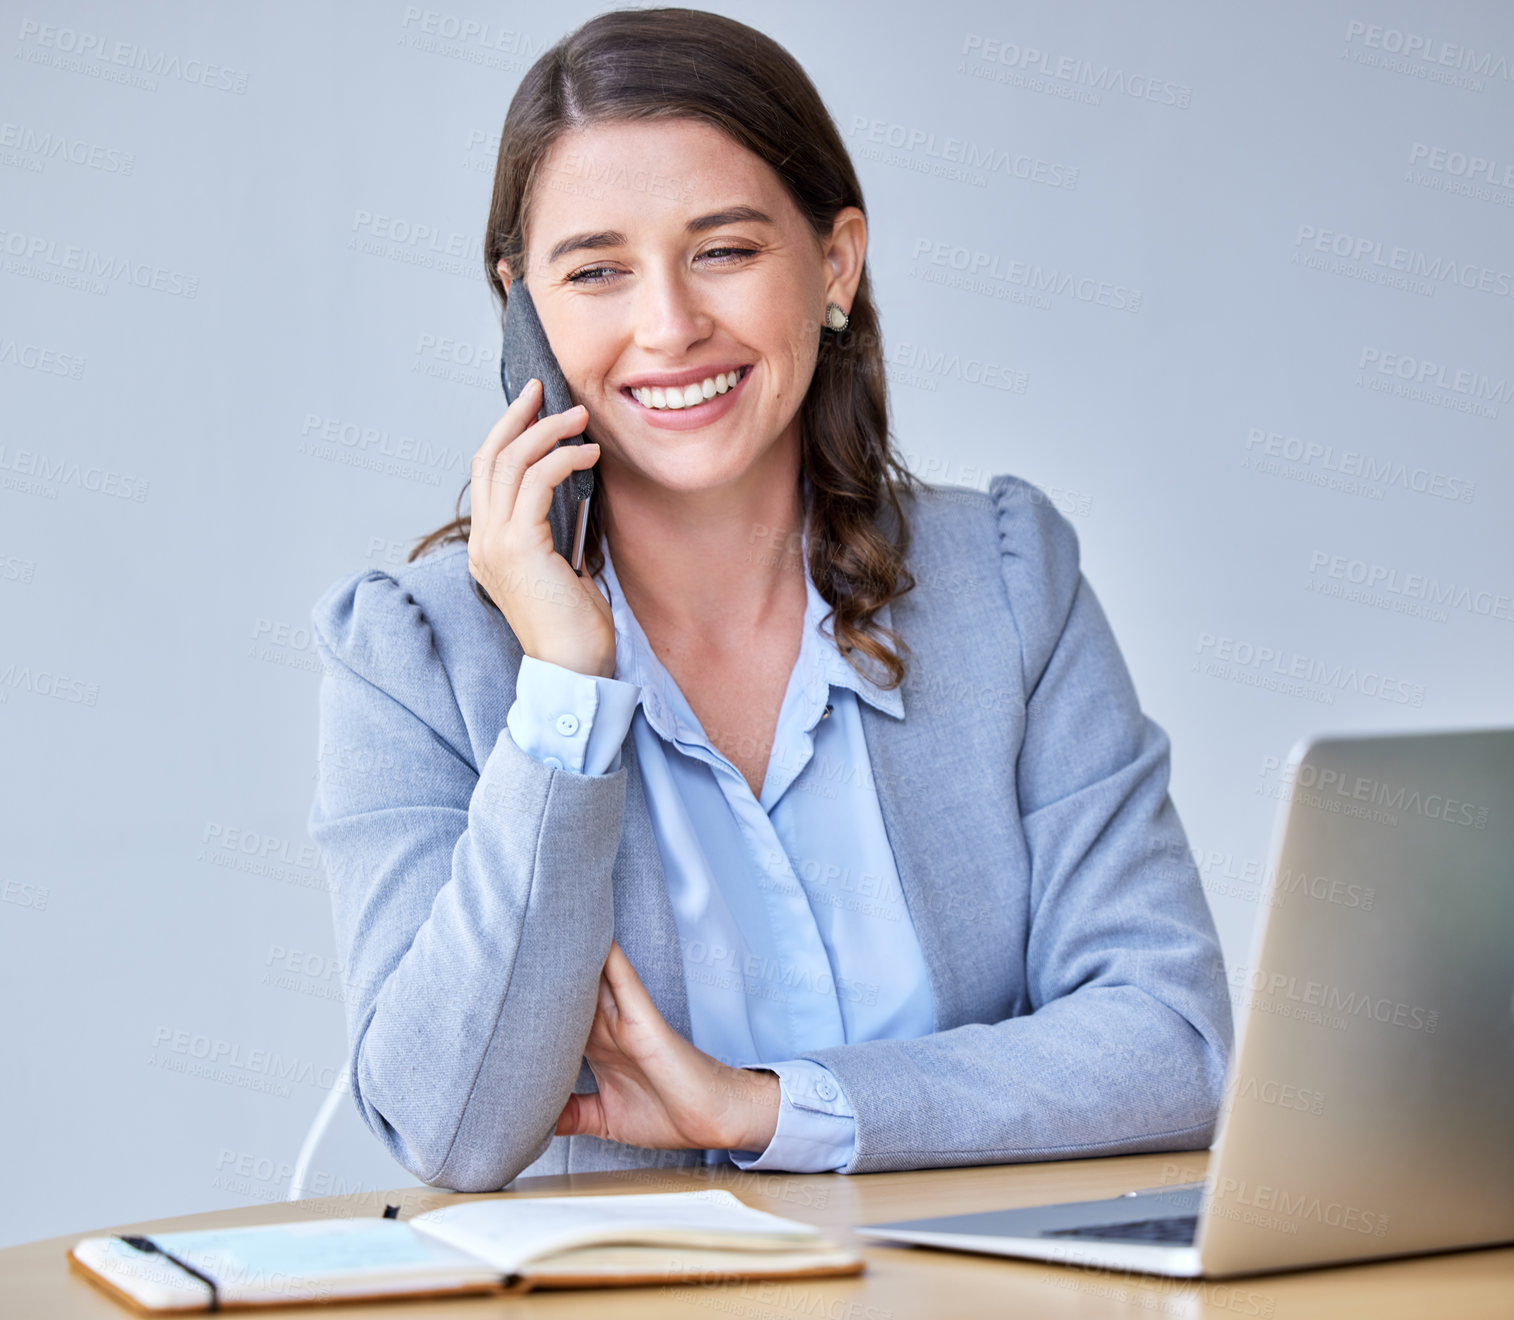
(1369, 1110)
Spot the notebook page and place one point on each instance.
(700, 1266)
(510, 1233)
(305, 1259)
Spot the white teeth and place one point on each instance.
(689, 395)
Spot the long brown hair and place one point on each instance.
(689, 64)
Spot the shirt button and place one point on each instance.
(552, 761)
(825, 1090)
(567, 725)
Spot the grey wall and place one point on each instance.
(1232, 282)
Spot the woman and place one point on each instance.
(817, 825)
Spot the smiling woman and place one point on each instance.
(816, 826)
(608, 142)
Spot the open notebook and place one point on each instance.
(498, 1245)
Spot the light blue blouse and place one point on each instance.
(793, 923)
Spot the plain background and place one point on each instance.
(1270, 366)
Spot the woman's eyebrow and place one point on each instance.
(605, 238)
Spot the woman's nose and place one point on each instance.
(669, 315)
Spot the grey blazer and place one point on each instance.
(1080, 996)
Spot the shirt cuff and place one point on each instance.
(816, 1132)
(568, 720)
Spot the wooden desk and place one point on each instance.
(900, 1283)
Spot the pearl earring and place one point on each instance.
(835, 318)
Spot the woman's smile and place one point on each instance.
(684, 407)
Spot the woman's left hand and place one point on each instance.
(655, 1088)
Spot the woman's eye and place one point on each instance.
(599, 274)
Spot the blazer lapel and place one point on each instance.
(898, 750)
(645, 927)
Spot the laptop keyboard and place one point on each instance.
(1178, 1230)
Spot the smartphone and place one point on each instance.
(525, 353)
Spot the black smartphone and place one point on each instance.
(525, 353)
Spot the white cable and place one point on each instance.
(329, 1106)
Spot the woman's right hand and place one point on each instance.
(556, 615)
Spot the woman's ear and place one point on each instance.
(503, 269)
(844, 254)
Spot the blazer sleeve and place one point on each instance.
(1127, 1040)
(473, 906)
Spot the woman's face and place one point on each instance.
(664, 255)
